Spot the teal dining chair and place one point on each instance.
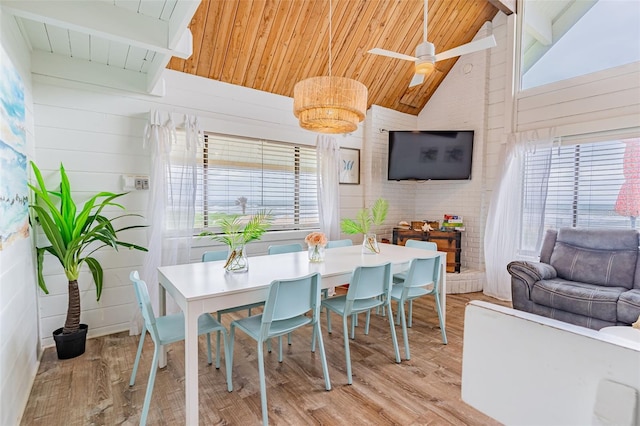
(279, 249)
(291, 304)
(421, 280)
(400, 276)
(325, 292)
(284, 248)
(369, 287)
(212, 256)
(169, 329)
(339, 243)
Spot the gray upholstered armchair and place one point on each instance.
(587, 277)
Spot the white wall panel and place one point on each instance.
(597, 100)
(97, 134)
(521, 368)
(19, 343)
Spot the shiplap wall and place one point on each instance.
(595, 102)
(19, 346)
(97, 133)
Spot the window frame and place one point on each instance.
(581, 167)
(299, 158)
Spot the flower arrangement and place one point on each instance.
(316, 239)
(316, 242)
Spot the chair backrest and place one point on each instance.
(606, 257)
(339, 243)
(424, 245)
(210, 256)
(142, 294)
(284, 248)
(368, 282)
(423, 272)
(291, 298)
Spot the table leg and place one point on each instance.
(191, 365)
(162, 310)
(443, 287)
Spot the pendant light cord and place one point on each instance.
(330, 41)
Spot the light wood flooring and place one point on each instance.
(93, 389)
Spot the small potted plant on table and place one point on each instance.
(236, 233)
(365, 219)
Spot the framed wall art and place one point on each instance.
(350, 166)
(14, 192)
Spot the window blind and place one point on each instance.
(582, 187)
(243, 175)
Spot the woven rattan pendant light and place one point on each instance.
(329, 104)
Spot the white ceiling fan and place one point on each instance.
(425, 53)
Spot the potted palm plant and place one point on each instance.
(236, 233)
(73, 238)
(365, 219)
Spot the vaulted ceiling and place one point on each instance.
(267, 45)
(270, 45)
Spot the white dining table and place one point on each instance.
(206, 287)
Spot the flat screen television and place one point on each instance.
(430, 155)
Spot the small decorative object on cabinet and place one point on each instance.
(447, 241)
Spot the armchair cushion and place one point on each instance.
(611, 268)
(629, 306)
(578, 298)
(532, 271)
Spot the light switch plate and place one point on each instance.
(135, 183)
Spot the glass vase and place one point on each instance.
(237, 260)
(370, 244)
(316, 254)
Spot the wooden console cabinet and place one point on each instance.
(447, 241)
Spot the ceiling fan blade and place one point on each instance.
(474, 46)
(417, 80)
(391, 54)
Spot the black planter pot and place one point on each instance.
(70, 345)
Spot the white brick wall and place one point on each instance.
(460, 104)
(399, 194)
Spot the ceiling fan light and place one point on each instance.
(329, 104)
(424, 67)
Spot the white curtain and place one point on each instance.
(328, 155)
(171, 206)
(504, 219)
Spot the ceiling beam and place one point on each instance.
(154, 73)
(50, 64)
(180, 20)
(505, 6)
(104, 20)
(538, 25)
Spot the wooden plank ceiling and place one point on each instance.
(270, 45)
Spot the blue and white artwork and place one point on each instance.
(14, 195)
